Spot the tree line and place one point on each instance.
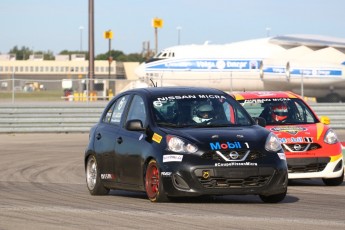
(24, 53)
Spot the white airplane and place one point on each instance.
(309, 65)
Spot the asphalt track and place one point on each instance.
(42, 186)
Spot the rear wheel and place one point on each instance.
(153, 184)
(93, 177)
(273, 198)
(334, 181)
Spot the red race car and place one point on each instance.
(312, 148)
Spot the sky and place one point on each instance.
(56, 25)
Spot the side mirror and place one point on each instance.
(134, 125)
(260, 121)
(325, 120)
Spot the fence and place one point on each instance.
(66, 117)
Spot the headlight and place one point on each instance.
(176, 144)
(330, 137)
(272, 143)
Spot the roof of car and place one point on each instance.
(176, 90)
(264, 94)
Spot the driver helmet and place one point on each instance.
(204, 113)
(279, 112)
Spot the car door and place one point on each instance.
(131, 144)
(105, 137)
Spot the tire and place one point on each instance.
(93, 177)
(334, 181)
(273, 198)
(153, 183)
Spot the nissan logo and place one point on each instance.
(234, 155)
(297, 147)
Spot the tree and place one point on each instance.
(21, 54)
(120, 56)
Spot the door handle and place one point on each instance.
(98, 136)
(119, 140)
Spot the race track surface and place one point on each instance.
(42, 186)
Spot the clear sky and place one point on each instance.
(54, 25)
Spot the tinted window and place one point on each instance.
(115, 112)
(199, 110)
(279, 110)
(137, 110)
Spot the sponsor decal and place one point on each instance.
(289, 129)
(227, 145)
(167, 174)
(189, 96)
(229, 164)
(263, 100)
(157, 138)
(285, 140)
(107, 176)
(172, 158)
(205, 174)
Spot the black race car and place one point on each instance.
(180, 142)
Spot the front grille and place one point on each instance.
(221, 182)
(300, 147)
(307, 165)
(318, 167)
(253, 155)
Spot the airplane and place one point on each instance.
(309, 65)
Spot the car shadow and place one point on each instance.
(224, 199)
(310, 182)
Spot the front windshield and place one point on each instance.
(279, 110)
(199, 111)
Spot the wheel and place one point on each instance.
(334, 181)
(273, 198)
(153, 184)
(93, 177)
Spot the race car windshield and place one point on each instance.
(199, 111)
(280, 110)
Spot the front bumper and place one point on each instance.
(322, 167)
(185, 179)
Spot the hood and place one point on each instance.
(203, 136)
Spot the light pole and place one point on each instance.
(157, 23)
(268, 30)
(179, 28)
(81, 37)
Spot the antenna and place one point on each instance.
(154, 85)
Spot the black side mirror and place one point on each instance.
(260, 121)
(134, 125)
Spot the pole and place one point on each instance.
(302, 86)
(81, 38)
(179, 35)
(91, 45)
(109, 57)
(156, 40)
(13, 86)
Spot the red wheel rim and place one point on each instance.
(152, 181)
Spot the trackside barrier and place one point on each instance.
(67, 118)
(80, 116)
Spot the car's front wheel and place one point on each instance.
(153, 183)
(334, 181)
(93, 177)
(273, 198)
